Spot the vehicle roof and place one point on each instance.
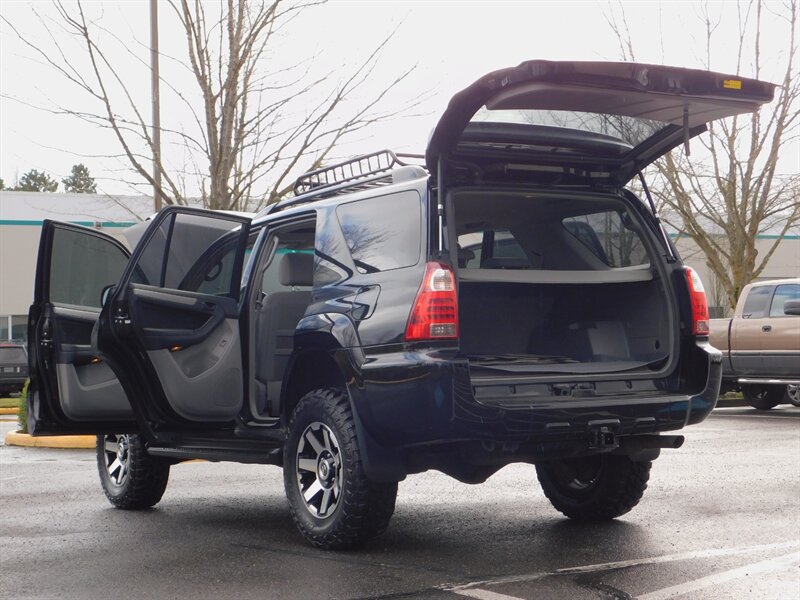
(321, 201)
(775, 281)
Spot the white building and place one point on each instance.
(22, 214)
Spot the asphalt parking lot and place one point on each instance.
(721, 519)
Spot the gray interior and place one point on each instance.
(203, 382)
(283, 281)
(551, 303)
(91, 392)
(571, 323)
(276, 320)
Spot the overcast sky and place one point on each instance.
(452, 44)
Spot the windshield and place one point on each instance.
(630, 130)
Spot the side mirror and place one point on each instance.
(106, 294)
(791, 307)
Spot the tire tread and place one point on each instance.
(367, 506)
(621, 488)
(147, 477)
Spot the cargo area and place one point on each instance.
(558, 284)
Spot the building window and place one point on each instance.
(19, 327)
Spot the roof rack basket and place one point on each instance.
(361, 170)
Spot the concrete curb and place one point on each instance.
(85, 442)
(11, 410)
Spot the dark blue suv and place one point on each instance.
(503, 298)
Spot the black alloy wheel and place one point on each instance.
(333, 503)
(131, 478)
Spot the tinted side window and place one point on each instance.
(607, 236)
(382, 233)
(783, 293)
(195, 253)
(756, 304)
(81, 265)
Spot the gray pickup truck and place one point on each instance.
(761, 344)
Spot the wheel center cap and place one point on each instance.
(121, 450)
(326, 471)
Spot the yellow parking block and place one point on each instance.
(54, 441)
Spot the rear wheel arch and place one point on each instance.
(331, 366)
(309, 370)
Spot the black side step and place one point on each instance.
(263, 456)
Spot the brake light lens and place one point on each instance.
(435, 312)
(698, 301)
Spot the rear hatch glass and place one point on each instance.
(619, 133)
(13, 356)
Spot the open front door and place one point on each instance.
(171, 327)
(72, 391)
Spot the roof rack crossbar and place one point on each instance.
(353, 170)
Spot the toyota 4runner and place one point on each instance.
(509, 301)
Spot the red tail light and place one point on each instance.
(435, 312)
(698, 301)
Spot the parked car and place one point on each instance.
(13, 368)
(342, 335)
(761, 344)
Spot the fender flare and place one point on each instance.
(336, 335)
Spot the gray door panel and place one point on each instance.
(91, 392)
(204, 382)
(71, 390)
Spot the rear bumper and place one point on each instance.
(413, 399)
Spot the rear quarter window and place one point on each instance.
(608, 235)
(382, 233)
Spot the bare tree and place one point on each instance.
(725, 201)
(248, 124)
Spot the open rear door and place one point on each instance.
(606, 119)
(72, 391)
(171, 327)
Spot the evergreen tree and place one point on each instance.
(2, 184)
(36, 181)
(79, 181)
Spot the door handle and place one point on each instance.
(766, 328)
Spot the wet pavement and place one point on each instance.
(721, 519)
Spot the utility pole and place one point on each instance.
(154, 84)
